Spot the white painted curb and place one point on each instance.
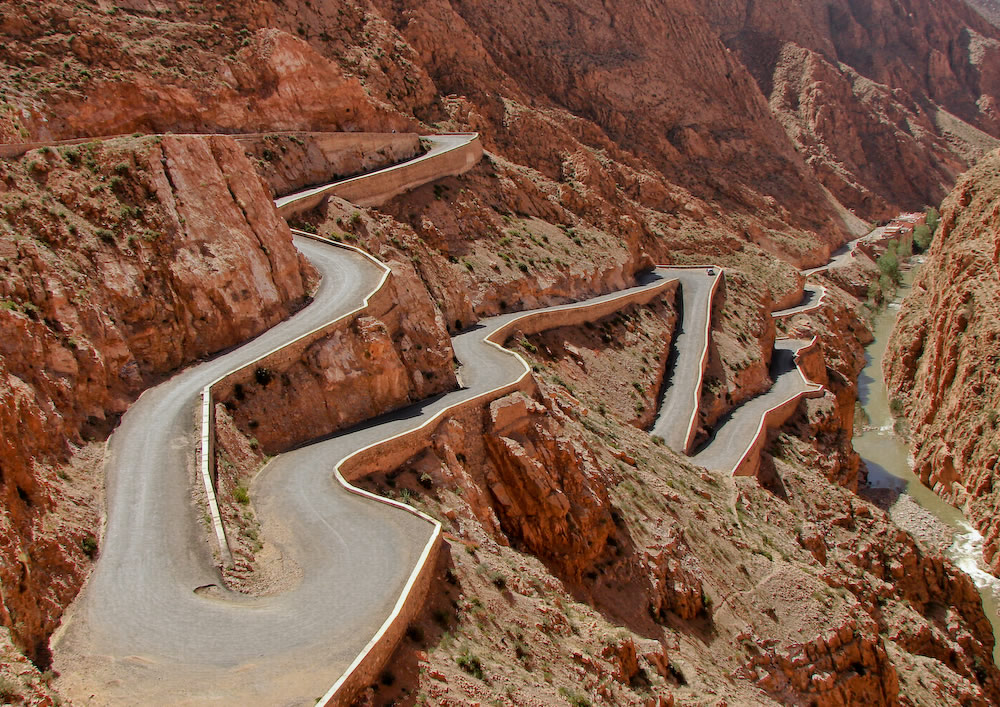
(333, 696)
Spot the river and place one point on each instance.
(887, 456)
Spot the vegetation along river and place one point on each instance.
(913, 505)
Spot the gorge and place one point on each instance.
(577, 558)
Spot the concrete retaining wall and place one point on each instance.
(389, 454)
(749, 463)
(292, 162)
(378, 187)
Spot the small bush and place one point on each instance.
(263, 375)
(471, 664)
(88, 543)
(575, 699)
(498, 580)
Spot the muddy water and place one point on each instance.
(889, 467)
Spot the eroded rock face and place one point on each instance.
(546, 485)
(378, 361)
(121, 263)
(942, 358)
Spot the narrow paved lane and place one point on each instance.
(140, 634)
(682, 383)
(735, 433)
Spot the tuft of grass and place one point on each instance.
(573, 698)
(241, 494)
(498, 580)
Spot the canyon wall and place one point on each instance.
(887, 101)
(583, 549)
(121, 262)
(942, 358)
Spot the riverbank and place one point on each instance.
(892, 484)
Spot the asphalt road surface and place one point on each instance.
(139, 633)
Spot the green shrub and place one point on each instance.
(933, 219)
(888, 263)
(922, 236)
(88, 543)
(471, 664)
(574, 699)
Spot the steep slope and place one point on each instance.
(617, 137)
(943, 356)
(888, 101)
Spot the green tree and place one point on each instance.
(922, 236)
(888, 263)
(933, 219)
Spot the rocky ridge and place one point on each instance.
(878, 96)
(829, 600)
(573, 201)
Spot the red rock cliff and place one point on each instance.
(943, 355)
(121, 262)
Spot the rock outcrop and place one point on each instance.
(394, 353)
(122, 261)
(943, 355)
(546, 486)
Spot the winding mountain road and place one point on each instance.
(677, 418)
(155, 624)
(734, 435)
